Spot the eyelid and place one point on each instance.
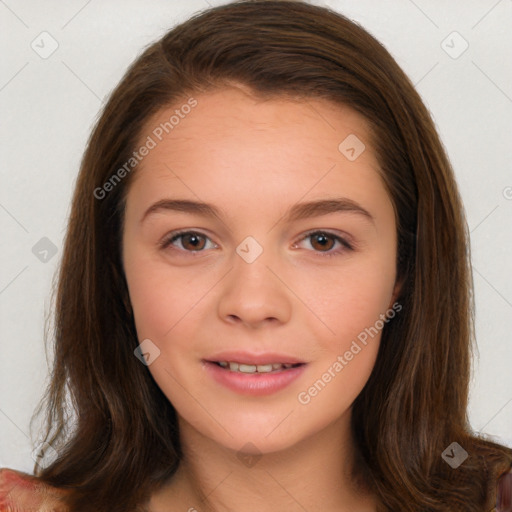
(167, 240)
(345, 241)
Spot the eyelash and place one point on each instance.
(345, 245)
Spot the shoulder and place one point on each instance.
(20, 492)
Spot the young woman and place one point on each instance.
(265, 296)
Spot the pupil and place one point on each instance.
(193, 240)
(323, 240)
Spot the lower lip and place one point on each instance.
(255, 384)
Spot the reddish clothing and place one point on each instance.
(505, 493)
(20, 492)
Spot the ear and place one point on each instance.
(397, 290)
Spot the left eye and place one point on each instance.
(324, 242)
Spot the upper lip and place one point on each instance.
(254, 359)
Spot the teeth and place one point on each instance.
(264, 368)
(246, 368)
(253, 368)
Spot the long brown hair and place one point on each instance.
(114, 430)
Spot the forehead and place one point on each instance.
(231, 141)
(238, 114)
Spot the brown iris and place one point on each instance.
(197, 242)
(323, 241)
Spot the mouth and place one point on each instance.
(253, 374)
(234, 366)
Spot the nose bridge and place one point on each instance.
(250, 250)
(252, 293)
(251, 264)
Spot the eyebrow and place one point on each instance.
(297, 212)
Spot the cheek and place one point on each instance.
(349, 301)
(161, 298)
(149, 298)
(352, 310)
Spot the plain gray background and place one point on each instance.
(456, 53)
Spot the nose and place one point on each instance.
(255, 294)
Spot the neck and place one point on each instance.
(311, 475)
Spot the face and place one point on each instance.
(260, 260)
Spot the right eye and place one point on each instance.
(189, 241)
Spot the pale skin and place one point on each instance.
(254, 160)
